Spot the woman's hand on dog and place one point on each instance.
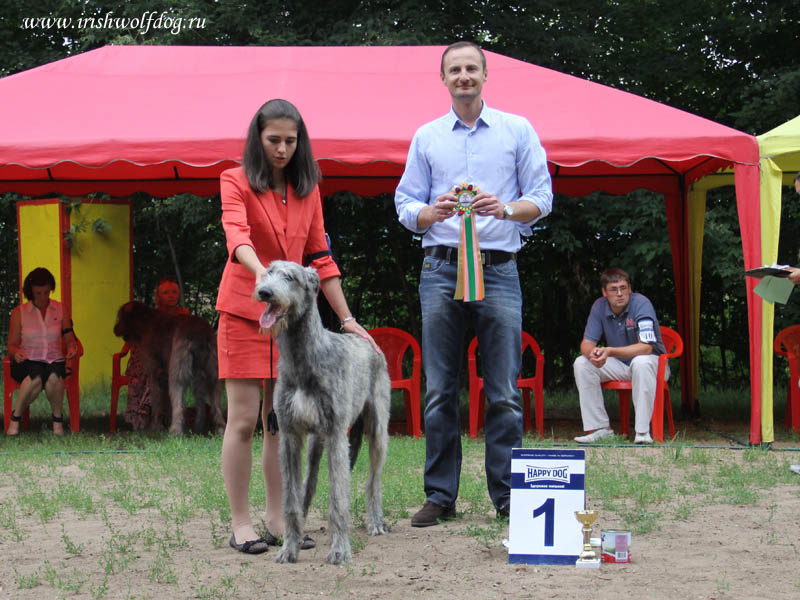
(354, 327)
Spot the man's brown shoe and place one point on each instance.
(431, 514)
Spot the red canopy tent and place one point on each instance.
(169, 119)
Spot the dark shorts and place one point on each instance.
(34, 369)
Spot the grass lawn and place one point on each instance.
(144, 515)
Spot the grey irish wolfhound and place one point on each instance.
(328, 383)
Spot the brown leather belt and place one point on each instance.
(488, 257)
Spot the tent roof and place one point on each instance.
(167, 119)
(782, 145)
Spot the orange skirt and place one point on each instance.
(243, 353)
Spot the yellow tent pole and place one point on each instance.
(771, 179)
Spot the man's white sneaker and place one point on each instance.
(795, 469)
(596, 435)
(642, 438)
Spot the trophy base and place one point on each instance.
(590, 563)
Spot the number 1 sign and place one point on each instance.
(547, 487)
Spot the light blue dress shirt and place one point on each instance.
(501, 154)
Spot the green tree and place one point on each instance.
(179, 237)
(731, 62)
(9, 263)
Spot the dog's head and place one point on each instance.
(129, 321)
(287, 289)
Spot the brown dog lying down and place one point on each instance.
(177, 352)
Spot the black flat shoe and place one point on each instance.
(250, 547)
(307, 544)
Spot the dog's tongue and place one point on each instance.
(268, 317)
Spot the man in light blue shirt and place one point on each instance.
(500, 154)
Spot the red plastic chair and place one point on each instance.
(71, 385)
(787, 343)
(118, 379)
(674, 346)
(535, 384)
(395, 343)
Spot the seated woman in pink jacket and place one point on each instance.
(38, 333)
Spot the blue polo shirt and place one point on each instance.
(637, 323)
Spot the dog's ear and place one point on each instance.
(120, 326)
(312, 279)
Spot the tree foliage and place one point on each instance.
(732, 62)
(179, 237)
(9, 261)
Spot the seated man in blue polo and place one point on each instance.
(627, 323)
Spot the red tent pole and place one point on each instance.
(687, 375)
(748, 201)
(677, 220)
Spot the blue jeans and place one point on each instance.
(498, 323)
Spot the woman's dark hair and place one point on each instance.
(302, 171)
(39, 276)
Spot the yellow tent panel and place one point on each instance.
(779, 151)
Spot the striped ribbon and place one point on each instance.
(469, 285)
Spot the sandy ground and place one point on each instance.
(719, 551)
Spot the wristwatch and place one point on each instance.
(508, 212)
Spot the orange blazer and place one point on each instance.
(259, 221)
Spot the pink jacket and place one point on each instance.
(256, 220)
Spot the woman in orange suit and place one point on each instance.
(271, 210)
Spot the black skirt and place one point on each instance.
(35, 368)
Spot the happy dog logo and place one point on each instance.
(541, 474)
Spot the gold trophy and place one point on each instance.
(588, 559)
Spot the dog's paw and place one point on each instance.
(339, 557)
(377, 528)
(285, 556)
